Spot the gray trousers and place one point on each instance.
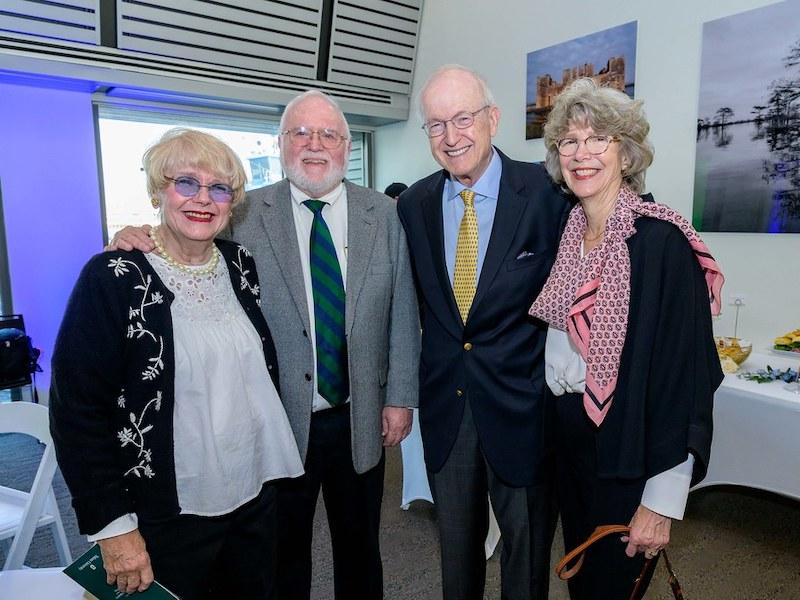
(526, 516)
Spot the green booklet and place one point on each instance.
(88, 571)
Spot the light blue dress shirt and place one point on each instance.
(486, 189)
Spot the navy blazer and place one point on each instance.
(496, 361)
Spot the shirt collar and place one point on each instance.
(487, 186)
(331, 197)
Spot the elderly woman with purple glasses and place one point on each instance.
(164, 410)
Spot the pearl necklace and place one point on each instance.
(197, 271)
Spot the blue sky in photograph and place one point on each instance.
(595, 48)
(743, 54)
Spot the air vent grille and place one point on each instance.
(70, 20)
(374, 42)
(259, 35)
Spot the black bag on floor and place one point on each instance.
(18, 358)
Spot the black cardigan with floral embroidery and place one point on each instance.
(112, 385)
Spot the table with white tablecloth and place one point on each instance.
(40, 584)
(756, 440)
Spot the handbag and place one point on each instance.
(642, 581)
(18, 358)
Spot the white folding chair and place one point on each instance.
(21, 513)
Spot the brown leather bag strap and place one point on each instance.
(598, 534)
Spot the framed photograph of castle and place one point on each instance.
(608, 57)
(747, 163)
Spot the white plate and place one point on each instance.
(786, 353)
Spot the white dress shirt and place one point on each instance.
(565, 372)
(335, 215)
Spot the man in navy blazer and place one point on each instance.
(482, 390)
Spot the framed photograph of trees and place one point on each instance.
(747, 167)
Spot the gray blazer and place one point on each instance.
(382, 318)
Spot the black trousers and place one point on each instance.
(526, 517)
(587, 501)
(226, 557)
(353, 505)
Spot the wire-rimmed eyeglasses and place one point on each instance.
(461, 121)
(301, 137)
(595, 144)
(189, 187)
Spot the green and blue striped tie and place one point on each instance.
(328, 288)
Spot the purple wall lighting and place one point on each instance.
(51, 200)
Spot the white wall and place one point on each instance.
(494, 38)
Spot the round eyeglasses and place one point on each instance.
(461, 121)
(189, 187)
(595, 144)
(301, 137)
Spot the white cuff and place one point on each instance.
(120, 525)
(667, 492)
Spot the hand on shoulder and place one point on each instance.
(132, 238)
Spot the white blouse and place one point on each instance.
(231, 433)
(565, 372)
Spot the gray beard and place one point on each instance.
(315, 189)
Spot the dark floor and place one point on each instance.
(735, 544)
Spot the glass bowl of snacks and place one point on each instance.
(732, 351)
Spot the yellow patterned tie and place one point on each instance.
(465, 273)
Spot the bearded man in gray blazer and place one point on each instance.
(342, 446)
(341, 434)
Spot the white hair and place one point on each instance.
(314, 94)
(488, 97)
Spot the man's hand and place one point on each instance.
(132, 238)
(649, 533)
(396, 424)
(127, 562)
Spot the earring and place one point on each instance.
(156, 202)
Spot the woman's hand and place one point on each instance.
(649, 533)
(127, 562)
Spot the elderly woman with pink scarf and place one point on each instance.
(630, 354)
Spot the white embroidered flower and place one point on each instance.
(125, 436)
(121, 400)
(118, 265)
(156, 298)
(135, 436)
(132, 312)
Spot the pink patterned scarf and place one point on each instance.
(589, 297)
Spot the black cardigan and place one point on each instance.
(669, 369)
(112, 385)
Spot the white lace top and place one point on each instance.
(231, 433)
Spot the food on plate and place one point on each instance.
(788, 342)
